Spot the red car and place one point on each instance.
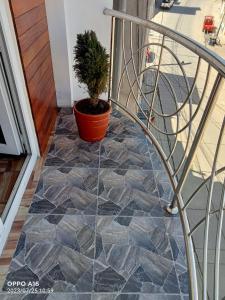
(208, 24)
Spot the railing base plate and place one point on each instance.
(172, 211)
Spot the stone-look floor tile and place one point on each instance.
(183, 277)
(71, 151)
(66, 191)
(65, 111)
(104, 296)
(133, 256)
(178, 250)
(117, 113)
(125, 153)
(175, 234)
(164, 186)
(174, 227)
(51, 296)
(66, 125)
(180, 263)
(68, 296)
(121, 126)
(6, 296)
(135, 297)
(135, 252)
(157, 163)
(57, 251)
(128, 193)
(162, 297)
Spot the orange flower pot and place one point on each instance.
(91, 128)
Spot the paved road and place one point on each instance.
(187, 16)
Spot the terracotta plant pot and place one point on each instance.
(91, 128)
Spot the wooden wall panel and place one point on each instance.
(29, 37)
(35, 48)
(31, 27)
(37, 62)
(27, 20)
(21, 7)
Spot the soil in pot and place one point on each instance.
(85, 107)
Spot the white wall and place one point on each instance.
(67, 18)
(58, 41)
(80, 16)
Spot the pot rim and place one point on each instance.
(94, 116)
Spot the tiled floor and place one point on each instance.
(21, 216)
(96, 228)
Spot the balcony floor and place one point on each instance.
(96, 228)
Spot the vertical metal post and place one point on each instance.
(156, 83)
(197, 139)
(145, 41)
(218, 247)
(221, 22)
(118, 55)
(111, 59)
(207, 217)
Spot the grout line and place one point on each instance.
(75, 167)
(96, 216)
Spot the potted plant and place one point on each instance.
(91, 68)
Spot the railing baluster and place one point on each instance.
(197, 139)
(131, 103)
(112, 87)
(117, 57)
(156, 83)
(208, 209)
(218, 246)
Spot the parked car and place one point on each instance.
(167, 3)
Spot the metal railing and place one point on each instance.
(176, 95)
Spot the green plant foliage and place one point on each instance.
(91, 64)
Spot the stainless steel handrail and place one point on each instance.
(178, 170)
(211, 57)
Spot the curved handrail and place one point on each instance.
(178, 171)
(211, 57)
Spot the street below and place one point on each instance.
(186, 17)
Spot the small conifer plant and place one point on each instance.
(91, 65)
